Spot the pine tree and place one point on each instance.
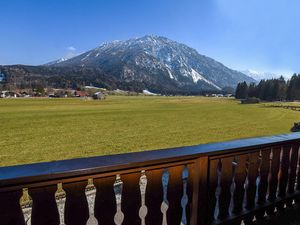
(252, 90)
(241, 91)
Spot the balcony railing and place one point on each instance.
(223, 183)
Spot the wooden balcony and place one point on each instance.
(249, 181)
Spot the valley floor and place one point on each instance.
(35, 130)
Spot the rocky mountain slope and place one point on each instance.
(150, 62)
(154, 58)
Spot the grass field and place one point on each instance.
(35, 130)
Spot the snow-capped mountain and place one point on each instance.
(156, 61)
(56, 61)
(260, 75)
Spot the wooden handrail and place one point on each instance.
(187, 185)
(12, 175)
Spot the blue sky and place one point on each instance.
(259, 35)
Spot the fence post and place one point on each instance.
(200, 192)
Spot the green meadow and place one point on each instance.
(36, 130)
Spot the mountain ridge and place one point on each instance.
(149, 62)
(260, 75)
(173, 59)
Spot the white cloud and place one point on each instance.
(71, 52)
(71, 48)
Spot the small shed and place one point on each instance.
(250, 101)
(99, 95)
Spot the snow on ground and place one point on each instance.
(146, 92)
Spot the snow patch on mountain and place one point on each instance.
(170, 73)
(56, 61)
(260, 75)
(86, 57)
(159, 61)
(196, 77)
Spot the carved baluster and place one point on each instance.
(253, 164)
(118, 188)
(143, 185)
(298, 175)
(213, 190)
(184, 199)
(297, 182)
(263, 174)
(252, 174)
(293, 168)
(26, 206)
(273, 180)
(284, 170)
(225, 185)
(165, 204)
(292, 172)
(264, 169)
(239, 180)
(90, 193)
(60, 198)
(283, 174)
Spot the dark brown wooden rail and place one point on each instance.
(234, 182)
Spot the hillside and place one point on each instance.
(150, 62)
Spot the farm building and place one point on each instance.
(81, 94)
(99, 96)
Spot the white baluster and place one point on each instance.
(26, 206)
(143, 185)
(90, 193)
(60, 198)
(184, 199)
(165, 204)
(118, 188)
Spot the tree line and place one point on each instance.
(19, 77)
(271, 90)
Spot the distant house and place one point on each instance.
(53, 95)
(24, 94)
(81, 94)
(146, 92)
(93, 87)
(118, 91)
(99, 96)
(9, 94)
(215, 95)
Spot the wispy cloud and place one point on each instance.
(71, 48)
(71, 52)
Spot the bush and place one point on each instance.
(250, 101)
(296, 127)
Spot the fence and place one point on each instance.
(221, 183)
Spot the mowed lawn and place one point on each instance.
(35, 130)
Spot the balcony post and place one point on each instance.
(200, 192)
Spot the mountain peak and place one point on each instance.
(260, 75)
(157, 60)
